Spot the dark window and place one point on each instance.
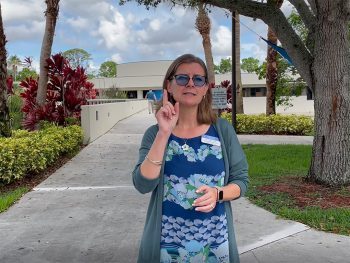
(309, 95)
(132, 94)
(252, 92)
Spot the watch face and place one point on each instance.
(221, 195)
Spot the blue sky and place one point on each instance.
(126, 33)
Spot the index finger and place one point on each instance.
(165, 97)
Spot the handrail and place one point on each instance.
(103, 101)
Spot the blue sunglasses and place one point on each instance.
(183, 79)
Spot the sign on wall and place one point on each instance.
(219, 97)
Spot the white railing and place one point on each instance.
(103, 101)
(101, 115)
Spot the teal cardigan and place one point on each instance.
(236, 169)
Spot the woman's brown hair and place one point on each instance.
(205, 114)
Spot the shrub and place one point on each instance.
(109, 93)
(112, 93)
(272, 124)
(30, 152)
(15, 103)
(67, 90)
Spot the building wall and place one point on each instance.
(143, 68)
(138, 77)
(97, 119)
(147, 75)
(301, 106)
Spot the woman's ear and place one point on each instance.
(206, 89)
(169, 86)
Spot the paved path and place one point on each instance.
(88, 211)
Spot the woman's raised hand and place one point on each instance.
(167, 115)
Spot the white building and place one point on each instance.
(136, 78)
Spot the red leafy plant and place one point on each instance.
(67, 90)
(227, 84)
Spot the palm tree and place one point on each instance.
(271, 70)
(14, 62)
(203, 26)
(51, 13)
(5, 127)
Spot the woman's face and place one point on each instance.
(191, 93)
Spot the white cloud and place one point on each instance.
(117, 58)
(130, 18)
(92, 66)
(79, 23)
(33, 30)
(124, 33)
(36, 65)
(90, 9)
(155, 24)
(114, 32)
(178, 11)
(222, 41)
(20, 11)
(253, 50)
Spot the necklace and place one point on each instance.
(185, 146)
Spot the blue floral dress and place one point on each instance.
(189, 236)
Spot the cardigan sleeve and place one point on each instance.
(238, 165)
(141, 183)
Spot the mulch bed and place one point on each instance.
(307, 194)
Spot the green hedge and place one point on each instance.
(27, 152)
(273, 124)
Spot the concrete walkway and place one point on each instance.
(88, 211)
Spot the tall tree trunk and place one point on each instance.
(271, 70)
(239, 89)
(5, 127)
(271, 74)
(203, 27)
(331, 147)
(51, 18)
(325, 68)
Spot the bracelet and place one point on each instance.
(154, 162)
(217, 193)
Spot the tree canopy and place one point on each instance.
(250, 64)
(108, 69)
(225, 66)
(77, 57)
(26, 73)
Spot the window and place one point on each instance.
(309, 94)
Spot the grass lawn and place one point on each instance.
(277, 183)
(11, 193)
(10, 197)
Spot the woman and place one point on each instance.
(194, 165)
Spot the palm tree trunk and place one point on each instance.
(239, 89)
(271, 70)
(5, 127)
(203, 27)
(51, 18)
(271, 74)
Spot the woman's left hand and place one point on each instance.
(207, 202)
